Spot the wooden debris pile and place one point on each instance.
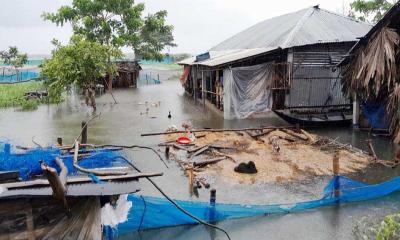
(279, 154)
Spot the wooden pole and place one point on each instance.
(30, 224)
(167, 152)
(372, 150)
(59, 141)
(336, 170)
(213, 197)
(191, 180)
(203, 94)
(84, 133)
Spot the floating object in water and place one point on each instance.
(183, 140)
(169, 114)
(249, 168)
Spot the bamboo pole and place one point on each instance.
(217, 130)
(336, 171)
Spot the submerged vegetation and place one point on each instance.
(12, 95)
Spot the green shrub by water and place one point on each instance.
(390, 228)
(12, 95)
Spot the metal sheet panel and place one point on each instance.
(315, 86)
(85, 189)
(308, 26)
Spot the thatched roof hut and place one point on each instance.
(371, 69)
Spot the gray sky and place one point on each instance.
(198, 24)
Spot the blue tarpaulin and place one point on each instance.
(376, 114)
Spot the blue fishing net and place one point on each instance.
(27, 162)
(153, 212)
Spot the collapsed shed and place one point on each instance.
(370, 74)
(283, 63)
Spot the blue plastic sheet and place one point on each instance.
(376, 114)
(153, 212)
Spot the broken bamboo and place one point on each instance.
(200, 151)
(293, 134)
(372, 150)
(95, 172)
(204, 163)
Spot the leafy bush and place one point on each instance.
(390, 228)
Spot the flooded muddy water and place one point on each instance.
(123, 123)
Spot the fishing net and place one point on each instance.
(27, 162)
(153, 212)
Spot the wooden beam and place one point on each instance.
(216, 130)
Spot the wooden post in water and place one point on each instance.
(203, 94)
(167, 152)
(59, 141)
(213, 197)
(84, 133)
(336, 170)
(29, 223)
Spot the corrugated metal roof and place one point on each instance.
(187, 61)
(308, 26)
(221, 57)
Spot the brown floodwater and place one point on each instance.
(123, 123)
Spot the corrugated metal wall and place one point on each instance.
(315, 80)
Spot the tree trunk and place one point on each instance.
(109, 80)
(90, 99)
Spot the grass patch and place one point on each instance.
(12, 95)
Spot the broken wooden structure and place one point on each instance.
(127, 75)
(279, 154)
(60, 205)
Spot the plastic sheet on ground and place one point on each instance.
(153, 212)
(247, 91)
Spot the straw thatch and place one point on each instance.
(373, 72)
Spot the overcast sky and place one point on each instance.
(198, 24)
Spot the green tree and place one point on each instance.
(82, 63)
(370, 10)
(117, 23)
(13, 58)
